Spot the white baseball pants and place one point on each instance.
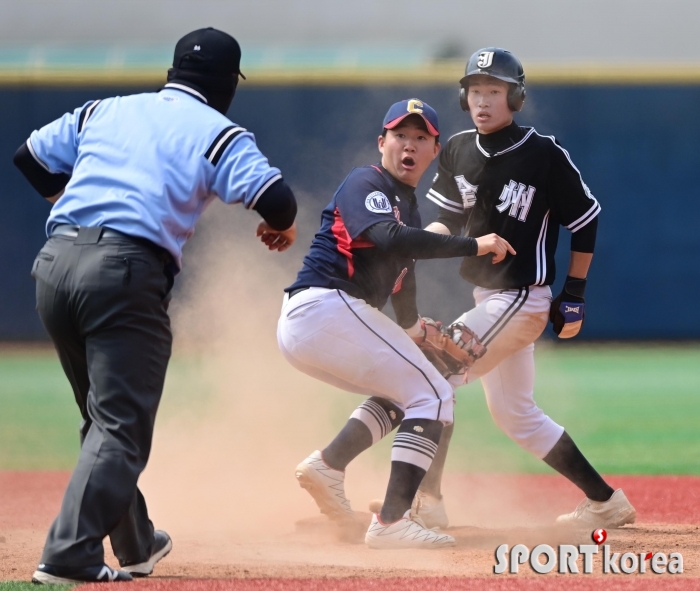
(345, 342)
(508, 322)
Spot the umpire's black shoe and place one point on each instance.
(161, 548)
(47, 574)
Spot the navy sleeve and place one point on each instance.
(415, 243)
(404, 300)
(364, 199)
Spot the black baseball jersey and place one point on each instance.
(523, 191)
(340, 257)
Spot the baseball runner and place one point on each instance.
(331, 327)
(508, 179)
(129, 177)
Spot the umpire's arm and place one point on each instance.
(49, 185)
(243, 175)
(47, 158)
(278, 208)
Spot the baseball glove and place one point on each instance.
(467, 341)
(438, 346)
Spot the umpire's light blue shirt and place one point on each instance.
(148, 164)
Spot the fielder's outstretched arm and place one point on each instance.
(414, 243)
(419, 244)
(450, 223)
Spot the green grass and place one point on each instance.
(38, 417)
(632, 410)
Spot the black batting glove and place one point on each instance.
(568, 309)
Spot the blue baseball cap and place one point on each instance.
(399, 111)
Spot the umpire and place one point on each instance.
(129, 177)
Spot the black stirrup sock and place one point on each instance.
(403, 484)
(568, 460)
(414, 447)
(353, 439)
(373, 420)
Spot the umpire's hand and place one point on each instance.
(279, 240)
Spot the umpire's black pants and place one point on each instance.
(103, 301)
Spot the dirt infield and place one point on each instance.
(307, 550)
(399, 584)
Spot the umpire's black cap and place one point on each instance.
(208, 51)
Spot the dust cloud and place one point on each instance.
(236, 419)
(233, 427)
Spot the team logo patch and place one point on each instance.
(414, 106)
(485, 59)
(572, 313)
(378, 202)
(467, 191)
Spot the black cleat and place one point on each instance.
(161, 548)
(46, 574)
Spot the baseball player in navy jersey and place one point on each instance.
(512, 180)
(129, 177)
(331, 326)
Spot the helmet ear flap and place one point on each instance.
(463, 99)
(516, 97)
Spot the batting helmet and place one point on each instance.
(501, 64)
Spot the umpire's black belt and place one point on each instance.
(85, 235)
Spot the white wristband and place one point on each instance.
(416, 330)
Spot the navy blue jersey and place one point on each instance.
(341, 257)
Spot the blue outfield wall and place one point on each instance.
(636, 146)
